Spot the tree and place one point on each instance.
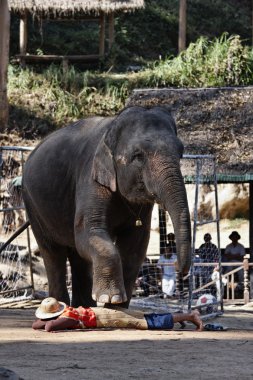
(4, 60)
(182, 25)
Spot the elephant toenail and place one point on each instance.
(116, 299)
(104, 298)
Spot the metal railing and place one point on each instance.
(226, 287)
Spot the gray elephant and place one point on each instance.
(89, 190)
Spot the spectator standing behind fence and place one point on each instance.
(234, 252)
(207, 253)
(166, 264)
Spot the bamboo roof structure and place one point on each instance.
(70, 7)
(60, 10)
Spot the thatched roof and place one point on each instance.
(67, 7)
(216, 121)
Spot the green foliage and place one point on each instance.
(221, 62)
(153, 32)
(60, 96)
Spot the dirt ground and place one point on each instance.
(128, 354)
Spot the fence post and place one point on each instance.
(4, 60)
(246, 278)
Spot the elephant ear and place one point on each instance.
(103, 170)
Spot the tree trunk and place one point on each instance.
(4, 60)
(182, 25)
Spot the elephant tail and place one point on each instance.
(13, 236)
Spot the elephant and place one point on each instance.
(89, 190)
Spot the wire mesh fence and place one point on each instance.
(16, 275)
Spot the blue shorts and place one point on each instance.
(159, 321)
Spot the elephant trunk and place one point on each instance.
(171, 194)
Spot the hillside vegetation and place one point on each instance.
(45, 98)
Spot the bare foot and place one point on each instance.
(196, 320)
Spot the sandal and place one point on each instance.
(214, 327)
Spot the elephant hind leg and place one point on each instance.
(55, 259)
(81, 271)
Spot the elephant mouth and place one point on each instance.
(141, 196)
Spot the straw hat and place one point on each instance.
(50, 308)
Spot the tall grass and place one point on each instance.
(223, 61)
(61, 96)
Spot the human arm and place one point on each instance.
(39, 324)
(55, 324)
(62, 324)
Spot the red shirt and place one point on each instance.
(85, 315)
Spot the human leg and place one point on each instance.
(193, 317)
(120, 318)
(240, 275)
(168, 285)
(125, 318)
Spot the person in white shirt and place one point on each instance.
(234, 252)
(167, 263)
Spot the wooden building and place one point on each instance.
(100, 11)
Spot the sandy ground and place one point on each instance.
(131, 354)
(128, 354)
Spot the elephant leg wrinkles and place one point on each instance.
(108, 284)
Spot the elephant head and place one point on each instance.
(139, 156)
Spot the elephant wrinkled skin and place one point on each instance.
(85, 186)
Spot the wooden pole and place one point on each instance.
(102, 35)
(251, 219)
(252, 23)
(182, 25)
(4, 61)
(111, 30)
(23, 33)
(251, 235)
(23, 36)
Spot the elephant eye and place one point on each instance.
(137, 156)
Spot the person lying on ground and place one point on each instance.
(53, 315)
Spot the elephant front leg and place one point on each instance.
(108, 284)
(132, 247)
